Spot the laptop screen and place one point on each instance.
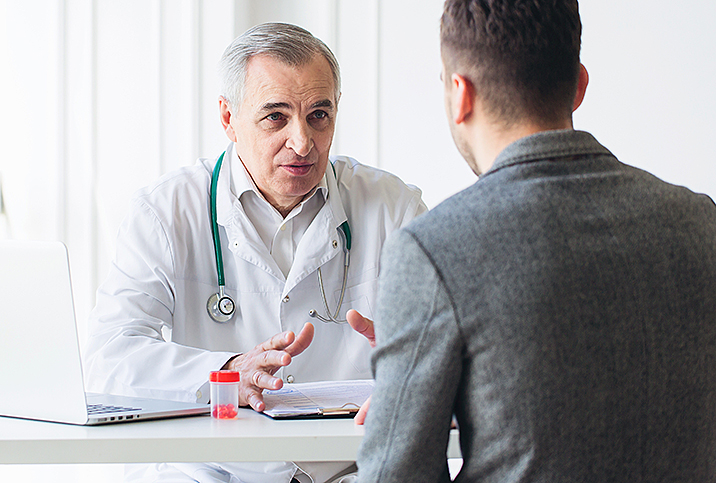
(41, 372)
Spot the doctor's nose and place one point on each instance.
(300, 139)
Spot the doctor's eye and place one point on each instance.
(275, 117)
(319, 118)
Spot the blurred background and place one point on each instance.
(98, 98)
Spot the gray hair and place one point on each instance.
(287, 43)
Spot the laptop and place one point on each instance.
(40, 363)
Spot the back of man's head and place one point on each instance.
(522, 56)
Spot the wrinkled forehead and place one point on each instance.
(271, 80)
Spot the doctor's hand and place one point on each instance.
(258, 366)
(361, 325)
(359, 418)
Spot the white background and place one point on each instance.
(100, 97)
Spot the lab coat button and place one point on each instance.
(286, 299)
(289, 379)
(335, 243)
(198, 394)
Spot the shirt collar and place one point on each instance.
(242, 183)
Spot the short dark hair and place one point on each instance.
(522, 56)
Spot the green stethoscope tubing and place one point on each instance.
(215, 223)
(221, 307)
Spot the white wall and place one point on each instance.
(99, 97)
(651, 98)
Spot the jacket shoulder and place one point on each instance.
(186, 181)
(351, 174)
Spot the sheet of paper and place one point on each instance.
(316, 397)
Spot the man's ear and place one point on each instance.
(226, 114)
(581, 87)
(462, 97)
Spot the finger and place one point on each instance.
(258, 359)
(362, 413)
(304, 339)
(271, 361)
(257, 369)
(255, 400)
(278, 341)
(252, 390)
(361, 325)
(263, 380)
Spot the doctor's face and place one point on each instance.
(283, 128)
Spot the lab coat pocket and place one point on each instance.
(360, 297)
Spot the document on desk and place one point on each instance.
(317, 399)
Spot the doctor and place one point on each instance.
(281, 209)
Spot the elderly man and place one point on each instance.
(295, 236)
(562, 308)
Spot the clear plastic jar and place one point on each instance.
(224, 394)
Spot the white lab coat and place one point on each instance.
(165, 271)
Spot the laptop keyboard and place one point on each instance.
(95, 409)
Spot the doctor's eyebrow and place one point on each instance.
(326, 103)
(273, 106)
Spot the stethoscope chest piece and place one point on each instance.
(220, 307)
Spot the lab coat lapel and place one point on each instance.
(239, 235)
(321, 241)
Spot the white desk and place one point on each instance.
(251, 437)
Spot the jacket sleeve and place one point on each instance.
(417, 367)
(126, 352)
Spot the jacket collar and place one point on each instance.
(544, 145)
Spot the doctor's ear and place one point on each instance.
(226, 116)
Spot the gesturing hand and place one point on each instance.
(361, 325)
(258, 366)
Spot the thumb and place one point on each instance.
(362, 413)
(361, 325)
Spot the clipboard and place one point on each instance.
(318, 400)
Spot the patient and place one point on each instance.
(562, 307)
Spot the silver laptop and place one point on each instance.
(40, 363)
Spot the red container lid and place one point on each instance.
(224, 376)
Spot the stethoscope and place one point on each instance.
(222, 308)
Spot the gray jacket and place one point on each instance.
(564, 309)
